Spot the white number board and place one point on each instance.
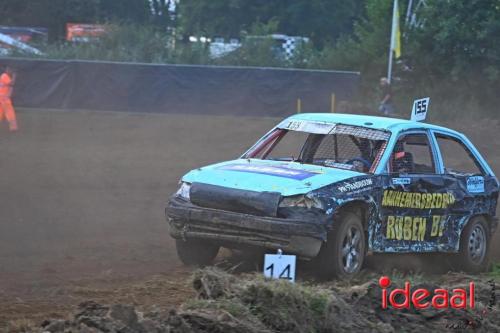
(420, 107)
(307, 126)
(280, 266)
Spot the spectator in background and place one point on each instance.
(386, 106)
(7, 81)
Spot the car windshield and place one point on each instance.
(335, 146)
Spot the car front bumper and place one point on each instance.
(298, 236)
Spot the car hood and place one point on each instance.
(287, 178)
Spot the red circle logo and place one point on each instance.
(384, 282)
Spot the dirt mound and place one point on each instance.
(249, 303)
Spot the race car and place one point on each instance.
(335, 186)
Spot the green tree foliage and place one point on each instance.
(366, 49)
(453, 55)
(161, 13)
(321, 20)
(255, 51)
(456, 52)
(129, 43)
(127, 11)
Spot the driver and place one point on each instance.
(402, 162)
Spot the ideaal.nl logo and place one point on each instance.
(439, 298)
(401, 298)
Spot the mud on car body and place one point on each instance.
(333, 186)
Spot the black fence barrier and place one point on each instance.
(177, 88)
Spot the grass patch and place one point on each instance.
(495, 271)
(274, 305)
(235, 309)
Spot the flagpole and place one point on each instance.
(391, 46)
(389, 69)
(408, 12)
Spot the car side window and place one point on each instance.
(457, 158)
(412, 154)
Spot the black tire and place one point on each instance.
(347, 234)
(473, 255)
(196, 252)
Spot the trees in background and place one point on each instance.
(456, 53)
(366, 48)
(453, 54)
(321, 20)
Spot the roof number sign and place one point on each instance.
(420, 107)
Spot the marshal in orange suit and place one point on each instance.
(7, 81)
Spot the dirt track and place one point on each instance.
(82, 197)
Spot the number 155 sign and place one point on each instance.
(280, 266)
(420, 107)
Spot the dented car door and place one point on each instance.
(473, 185)
(415, 200)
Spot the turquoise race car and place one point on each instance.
(334, 186)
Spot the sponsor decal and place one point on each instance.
(401, 181)
(333, 164)
(422, 298)
(414, 228)
(475, 184)
(417, 200)
(271, 170)
(356, 185)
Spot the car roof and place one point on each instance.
(382, 123)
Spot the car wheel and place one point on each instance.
(473, 255)
(343, 254)
(196, 252)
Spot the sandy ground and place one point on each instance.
(82, 196)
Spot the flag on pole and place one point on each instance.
(396, 32)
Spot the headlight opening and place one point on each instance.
(183, 191)
(301, 201)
